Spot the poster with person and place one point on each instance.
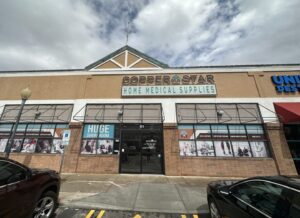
(88, 146)
(29, 145)
(223, 149)
(3, 143)
(43, 145)
(57, 146)
(187, 148)
(205, 148)
(258, 149)
(105, 146)
(17, 145)
(241, 149)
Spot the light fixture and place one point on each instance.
(120, 112)
(25, 93)
(220, 113)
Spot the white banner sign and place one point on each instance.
(175, 90)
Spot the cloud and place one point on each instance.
(68, 34)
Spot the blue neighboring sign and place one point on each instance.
(287, 83)
(104, 131)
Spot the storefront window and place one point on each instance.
(99, 139)
(34, 138)
(231, 140)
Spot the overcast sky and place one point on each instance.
(65, 34)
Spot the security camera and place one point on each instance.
(220, 113)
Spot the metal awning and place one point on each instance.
(288, 112)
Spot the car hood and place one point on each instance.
(221, 183)
(42, 171)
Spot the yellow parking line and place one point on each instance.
(195, 216)
(90, 214)
(183, 216)
(137, 216)
(101, 213)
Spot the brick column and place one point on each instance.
(280, 150)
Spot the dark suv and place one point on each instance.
(26, 192)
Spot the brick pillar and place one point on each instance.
(73, 150)
(281, 151)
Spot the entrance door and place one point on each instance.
(141, 151)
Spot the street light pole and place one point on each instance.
(25, 94)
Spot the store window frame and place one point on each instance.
(24, 134)
(265, 138)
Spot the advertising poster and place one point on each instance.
(29, 145)
(259, 149)
(3, 143)
(187, 148)
(185, 132)
(57, 146)
(205, 148)
(241, 149)
(16, 146)
(43, 146)
(105, 146)
(202, 132)
(223, 149)
(88, 146)
(101, 131)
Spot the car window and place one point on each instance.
(264, 196)
(10, 173)
(295, 206)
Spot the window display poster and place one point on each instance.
(205, 148)
(105, 147)
(57, 146)
(43, 145)
(3, 143)
(185, 132)
(88, 146)
(241, 149)
(259, 149)
(29, 145)
(187, 148)
(16, 146)
(223, 149)
(104, 131)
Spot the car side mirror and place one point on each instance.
(224, 190)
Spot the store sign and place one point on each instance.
(286, 83)
(166, 85)
(104, 131)
(66, 137)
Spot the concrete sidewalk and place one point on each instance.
(146, 193)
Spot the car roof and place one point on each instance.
(290, 181)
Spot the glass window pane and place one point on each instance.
(10, 173)
(259, 149)
(227, 113)
(261, 195)
(105, 146)
(255, 132)
(88, 146)
(219, 132)
(33, 130)
(3, 143)
(90, 131)
(187, 148)
(237, 132)
(241, 149)
(21, 128)
(185, 132)
(47, 130)
(5, 130)
(43, 145)
(57, 147)
(206, 113)
(205, 148)
(17, 145)
(106, 131)
(249, 113)
(186, 113)
(223, 149)
(29, 145)
(202, 132)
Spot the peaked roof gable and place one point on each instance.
(126, 58)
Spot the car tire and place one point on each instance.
(46, 205)
(213, 209)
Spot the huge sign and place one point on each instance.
(287, 83)
(166, 85)
(104, 131)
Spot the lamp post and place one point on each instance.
(25, 94)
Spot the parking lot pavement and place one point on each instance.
(64, 212)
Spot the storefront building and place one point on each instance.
(129, 113)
